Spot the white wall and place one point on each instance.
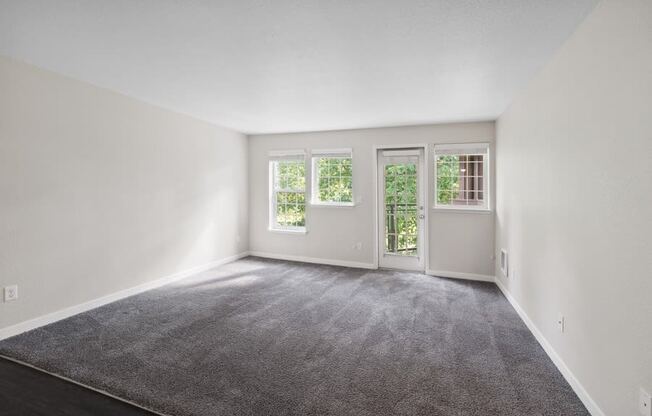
(574, 202)
(100, 192)
(459, 242)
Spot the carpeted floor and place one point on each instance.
(264, 337)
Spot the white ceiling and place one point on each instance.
(298, 65)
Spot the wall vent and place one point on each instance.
(503, 262)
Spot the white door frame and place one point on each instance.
(426, 202)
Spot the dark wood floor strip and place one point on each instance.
(25, 390)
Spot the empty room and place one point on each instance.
(323, 207)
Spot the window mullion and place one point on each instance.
(461, 177)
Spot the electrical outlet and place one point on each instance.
(561, 322)
(11, 293)
(645, 403)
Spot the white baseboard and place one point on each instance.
(34, 323)
(577, 387)
(459, 275)
(361, 265)
(344, 263)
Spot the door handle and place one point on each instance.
(421, 216)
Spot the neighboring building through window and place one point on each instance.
(461, 176)
(287, 191)
(332, 177)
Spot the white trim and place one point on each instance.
(463, 148)
(86, 386)
(292, 154)
(344, 152)
(485, 211)
(460, 275)
(504, 265)
(49, 318)
(374, 173)
(330, 262)
(575, 384)
(398, 146)
(332, 204)
(374, 169)
(376, 149)
(402, 152)
(271, 198)
(425, 203)
(34, 323)
(299, 231)
(468, 148)
(314, 177)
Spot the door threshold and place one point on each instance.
(393, 269)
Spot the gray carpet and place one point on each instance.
(264, 337)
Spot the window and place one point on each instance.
(462, 180)
(332, 177)
(287, 191)
(401, 213)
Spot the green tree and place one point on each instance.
(448, 178)
(401, 208)
(290, 197)
(335, 179)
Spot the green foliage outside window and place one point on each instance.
(401, 209)
(289, 193)
(448, 178)
(290, 209)
(334, 179)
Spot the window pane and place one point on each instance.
(283, 182)
(281, 214)
(400, 208)
(333, 168)
(347, 195)
(460, 179)
(411, 245)
(301, 212)
(334, 180)
(390, 246)
(347, 169)
(402, 243)
(288, 194)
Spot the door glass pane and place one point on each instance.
(401, 209)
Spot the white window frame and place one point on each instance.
(465, 149)
(317, 154)
(277, 156)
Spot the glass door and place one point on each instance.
(401, 212)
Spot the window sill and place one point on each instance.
(484, 211)
(288, 231)
(327, 205)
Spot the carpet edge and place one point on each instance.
(69, 380)
(556, 359)
(67, 312)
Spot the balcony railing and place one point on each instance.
(401, 221)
